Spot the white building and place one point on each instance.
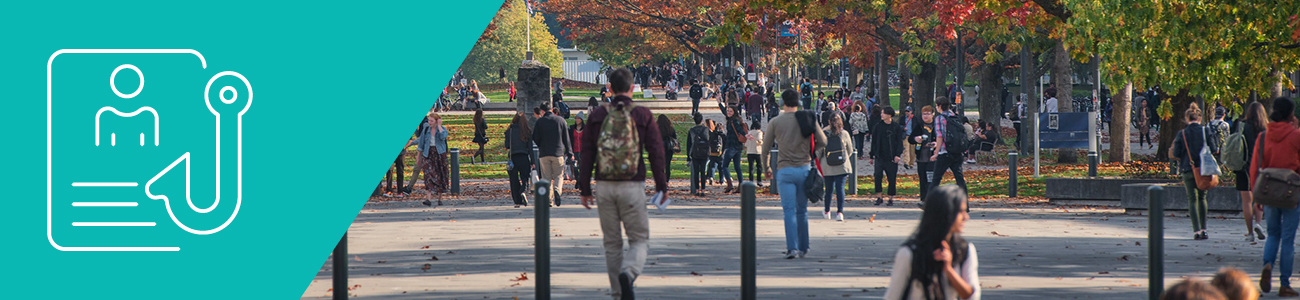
(578, 66)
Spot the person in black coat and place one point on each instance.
(1187, 149)
(886, 152)
(922, 139)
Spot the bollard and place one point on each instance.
(852, 184)
(1092, 164)
(341, 269)
(1012, 159)
(771, 165)
(542, 236)
(455, 171)
(1156, 241)
(748, 243)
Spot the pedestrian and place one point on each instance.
(512, 91)
(1281, 150)
(715, 153)
(805, 94)
(620, 189)
(936, 262)
(420, 131)
(1187, 149)
(1050, 105)
(519, 143)
(830, 109)
(950, 135)
(835, 165)
(696, 93)
(1144, 126)
(753, 143)
(551, 134)
(886, 153)
(909, 156)
(755, 105)
(480, 136)
(985, 138)
(436, 169)
(669, 136)
(575, 135)
(1251, 127)
(922, 139)
(858, 121)
(1019, 115)
(794, 131)
(733, 146)
(698, 147)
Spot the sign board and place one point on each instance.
(1063, 130)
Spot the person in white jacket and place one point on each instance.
(753, 144)
(936, 262)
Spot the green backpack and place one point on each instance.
(1233, 152)
(619, 149)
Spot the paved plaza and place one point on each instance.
(1027, 250)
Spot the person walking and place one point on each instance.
(886, 153)
(753, 143)
(1251, 127)
(755, 105)
(948, 153)
(1144, 126)
(436, 169)
(1187, 149)
(697, 148)
(551, 134)
(615, 150)
(922, 139)
(480, 136)
(1281, 149)
(669, 136)
(715, 154)
(805, 94)
(858, 121)
(696, 93)
(835, 165)
(575, 135)
(793, 130)
(909, 156)
(733, 146)
(936, 262)
(519, 143)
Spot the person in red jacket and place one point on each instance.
(1281, 149)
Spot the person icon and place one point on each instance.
(112, 84)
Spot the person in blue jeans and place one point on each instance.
(835, 175)
(1280, 149)
(733, 149)
(793, 130)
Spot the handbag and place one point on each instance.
(814, 185)
(1203, 182)
(1276, 187)
(1209, 166)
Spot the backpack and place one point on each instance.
(715, 143)
(835, 155)
(1219, 131)
(564, 109)
(699, 142)
(954, 136)
(805, 90)
(618, 150)
(1233, 152)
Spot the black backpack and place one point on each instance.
(699, 142)
(564, 109)
(835, 154)
(715, 143)
(954, 136)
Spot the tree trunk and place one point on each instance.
(1170, 127)
(1061, 78)
(990, 104)
(1275, 86)
(940, 87)
(882, 68)
(1027, 88)
(904, 85)
(1119, 124)
(923, 86)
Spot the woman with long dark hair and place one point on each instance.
(669, 135)
(480, 136)
(1254, 123)
(1281, 150)
(518, 143)
(936, 262)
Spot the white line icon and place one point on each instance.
(110, 205)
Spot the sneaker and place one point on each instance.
(802, 253)
(890, 203)
(1259, 232)
(1286, 291)
(879, 201)
(427, 203)
(827, 214)
(791, 254)
(625, 286)
(839, 217)
(1266, 278)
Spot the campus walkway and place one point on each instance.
(1027, 250)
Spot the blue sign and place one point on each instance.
(1063, 130)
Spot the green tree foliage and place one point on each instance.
(504, 45)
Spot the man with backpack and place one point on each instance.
(696, 93)
(951, 141)
(697, 152)
(551, 134)
(805, 94)
(1219, 129)
(613, 148)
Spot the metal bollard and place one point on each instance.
(1092, 164)
(748, 243)
(1156, 241)
(771, 165)
(455, 171)
(852, 184)
(341, 269)
(542, 237)
(1012, 159)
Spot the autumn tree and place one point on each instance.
(503, 45)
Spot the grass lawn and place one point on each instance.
(503, 96)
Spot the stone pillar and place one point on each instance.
(533, 87)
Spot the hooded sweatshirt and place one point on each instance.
(1281, 149)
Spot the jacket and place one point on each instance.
(735, 130)
(846, 143)
(647, 132)
(515, 144)
(697, 132)
(1194, 137)
(919, 128)
(886, 142)
(1281, 149)
(551, 134)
